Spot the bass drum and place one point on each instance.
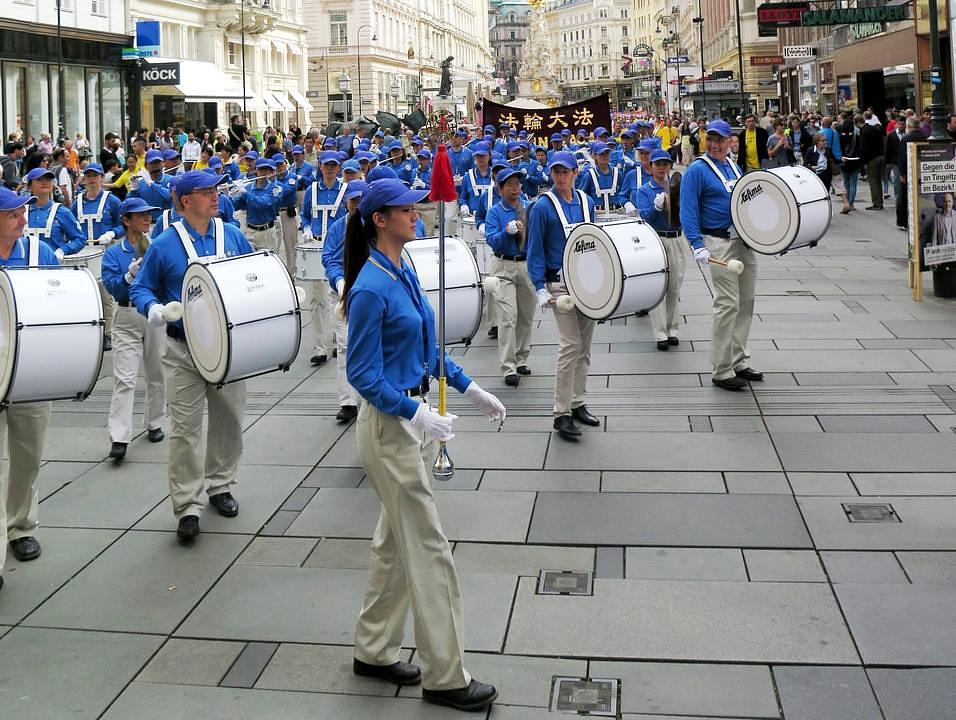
(241, 317)
(463, 293)
(781, 209)
(615, 269)
(51, 334)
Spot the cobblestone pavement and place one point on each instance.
(729, 580)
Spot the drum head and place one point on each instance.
(204, 320)
(592, 271)
(765, 212)
(83, 257)
(8, 334)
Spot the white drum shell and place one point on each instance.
(615, 269)
(51, 334)
(241, 317)
(308, 261)
(780, 209)
(463, 293)
(477, 244)
(90, 257)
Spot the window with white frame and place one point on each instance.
(97, 7)
(338, 25)
(232, 54)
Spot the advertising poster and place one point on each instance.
(935, 226)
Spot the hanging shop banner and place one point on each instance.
(542, 122)
(771, 16)
(933, 219)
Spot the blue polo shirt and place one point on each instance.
(471, 192)
(704, 200)
(289, 183)
(156, 194)
(111, 215)
(115, 265)
(260, 203)
(496, 234)
(325, 195)
(65, 234)
(20, 255)
(657, 219)
(546, 235)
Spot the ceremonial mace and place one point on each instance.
(439, 129)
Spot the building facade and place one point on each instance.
(508, 32)
(91, 92)
(366, 56)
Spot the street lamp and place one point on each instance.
(345, 86)
(937, 108)
(672, 40)
(61, 95)
(242, 47)
(358, 41)
(703, 83)
(395, 90)
(744, 104)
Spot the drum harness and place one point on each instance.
(97, 216)
(604, 193)
(326, 209)
(729, 187)
(585, 212)
(220, 235)
(485, 190)
(35, 233)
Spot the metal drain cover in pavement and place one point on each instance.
(565, 582)
(597, 697)
(870, 512)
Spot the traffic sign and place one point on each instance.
(678, 60)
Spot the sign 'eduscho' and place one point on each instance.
(159, 74)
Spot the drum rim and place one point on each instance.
(207, 375)
(620, 277)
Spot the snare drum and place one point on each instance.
(463, 293)
(614, 269)
(51, 334)
(780, 209)
(477, 244)
(241, 317)
(308, 261)
(90, 257)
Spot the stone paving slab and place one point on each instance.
(115, 593)
(666, 482)
(905, 483)
(277, 551)
(55, 475)
(921, 694)
(685, 620)
(545, 480)
(339, 553)
(320, 669)
(821, 483)
(191, 662)
(50, 673)
(278, 440)
(784, 566)
(319, 605)
(769, 521)
(862, 567)
(865, 452)
(821, 693)
(674, 563)
(929, 568)
(927, 524)
(527, 560)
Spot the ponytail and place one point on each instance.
(359, 237)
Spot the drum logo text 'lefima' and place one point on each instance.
(583, 246)
(193, 292)
(751, 192)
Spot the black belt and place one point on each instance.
(419, 391)
(291, 207)
(261, 227)
(670, 233)
(716, 232)
(552, 276)
(123, 303)
(175, 333)
(512, 258)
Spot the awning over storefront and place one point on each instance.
(280, 97)
(301, 101)
(200, 82)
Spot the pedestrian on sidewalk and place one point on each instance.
(872, 149)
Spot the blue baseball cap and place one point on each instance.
(135, 205)
(363, 155)
(329, 157)
(93, 168)
(252, 155)
(523, 134)
(461, 132)
(512, 146)
(556, 137)
(424, 153)
(170, 154)
(214, 163)
(153, 156)
(329, 142)
(567, 132)
(599, 148)
(279, 158)
(174, 183)
(37, 173)
(523, 145)
(351, 166)
(499, 162)
(489, 128)
(416, 140)
(379, 133)
(9, 200)
(660, 154)
(388, 193)
(564, 159)
(721, 127)
(627, 133)
(611, 143)
(504, 125)
(599, 131)
(355, 189)
(197, 180)
(298, 150)
(503, 175)
(265, 163)
(481, 148)
(647, 145)
(380, 172)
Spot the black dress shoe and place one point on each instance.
(493, 331)
(399, 673)
(524, 370)
(335, 352)
(155, 435)
(566, 427)
(749, 374)
(346, 413)
(662, 345)
(731, 383)
(225, 504)
(512, 380)
(319, 360)
(107, 343)
(118, 451)
(1, 582)
(477, 696)
(671, 340)
(582, 415)
(25, 548)
(188, 527)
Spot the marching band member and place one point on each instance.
(654, 207)
(324, 204)
(260, 200)
(98, 212)
(705, 215)
(477, 182)
(392, 354)
(171, 162)
(625, 157)
(153, 186)
(22, 425)
(639, 175)
(288, 224)
(547, 236)
(404, 168)
(49, 221)
(305, 171)
(332, 260)
(159, 281)
(515, 295)
(351, 170)
(603, 181)
(227, 211)
(557, 145)
(427, 210)
(501, 142)
(135, 340)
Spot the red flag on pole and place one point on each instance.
(443, 179)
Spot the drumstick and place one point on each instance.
(300, 295)
(565, 303)
(735, 266)
(490, 283)
(173, 311)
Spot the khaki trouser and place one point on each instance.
(109, 307)
(733, 306)
(874, 176)
(347, 394)
(188, 393)
(289, 236)
(452, 214)
(267, 239)
(410, 561)
(574, 355)
(664, 317)
(322, 326)
(24, 426)
(429, 214)
(515, 302)
(134, 340)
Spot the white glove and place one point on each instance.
(546, 177)
(628, 162)
(59, 254)
(418, 184)
(156, 316)
(544, 299)
(512, 227)
(132, 270)
(702, 255)
(629, 208)
(144, 173)
(489, 405)
(307, 234)
(105, 238)
(481, 230)
(659, 201)
(339, 286)
(457, 179)
(429, 421)
(464, 210)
